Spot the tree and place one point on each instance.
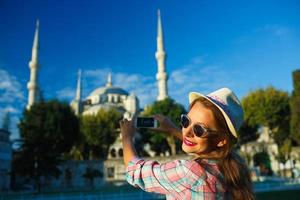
(100, 131)
(161, 142)
(48, 131)
(270, 108)
(295, 108)
(262, 160)
(247, 133)
(90, 174)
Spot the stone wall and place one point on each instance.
(78, 174)
(114, 169)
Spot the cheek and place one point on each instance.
(206, 144)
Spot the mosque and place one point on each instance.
(104, 97)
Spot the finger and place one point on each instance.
(134, 116)
(121, 122)
(158, 117)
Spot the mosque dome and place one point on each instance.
(108, 90)
(108, 94)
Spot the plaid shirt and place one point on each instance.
(178, 179)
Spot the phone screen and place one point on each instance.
(145, 122)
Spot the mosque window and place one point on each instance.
(88, 102)
(103, 98)
(112, 98)
(120, 152)
(113, 153)
(110, 172)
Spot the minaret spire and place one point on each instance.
(160, 55)
(77, 104)
(35, 46)
(159, 32)
(78, 90)
(32, 85)
(109, 80)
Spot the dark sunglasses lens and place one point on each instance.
(185, 122)
(198, 130)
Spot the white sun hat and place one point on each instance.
(227, 102)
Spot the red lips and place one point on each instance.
(188, 143)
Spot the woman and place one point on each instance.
(209, 131)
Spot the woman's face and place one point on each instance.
(192, 143)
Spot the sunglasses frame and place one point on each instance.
(205, 130)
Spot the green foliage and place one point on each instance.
(51, 123)
(247, 133)
(99, 132)
(48, 130)
(160, 142)
(262, 160)
(284, 150)
(269, 107)
(295, 108)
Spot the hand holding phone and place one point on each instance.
(146, 122)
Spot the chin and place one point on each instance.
(191, 150)
(188, 149)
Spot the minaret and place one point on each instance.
(32, 85)
(160, 55)
(76, 104)
(109, 80)
(78, 90)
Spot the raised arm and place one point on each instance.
(128, 131)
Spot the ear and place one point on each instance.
(221, 143)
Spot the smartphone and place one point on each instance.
(146, 122)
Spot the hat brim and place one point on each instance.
(195, 95)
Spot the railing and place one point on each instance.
(277, 185)
(123, 195)
(81, 196)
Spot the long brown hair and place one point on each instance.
(232, 166)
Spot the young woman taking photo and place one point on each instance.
(208, 132)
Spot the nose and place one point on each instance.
(188, 131)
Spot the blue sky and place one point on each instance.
(243, 45)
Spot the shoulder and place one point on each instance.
(185, 168)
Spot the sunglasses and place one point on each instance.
(198, 128)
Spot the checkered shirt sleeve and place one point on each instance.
(178, 179)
